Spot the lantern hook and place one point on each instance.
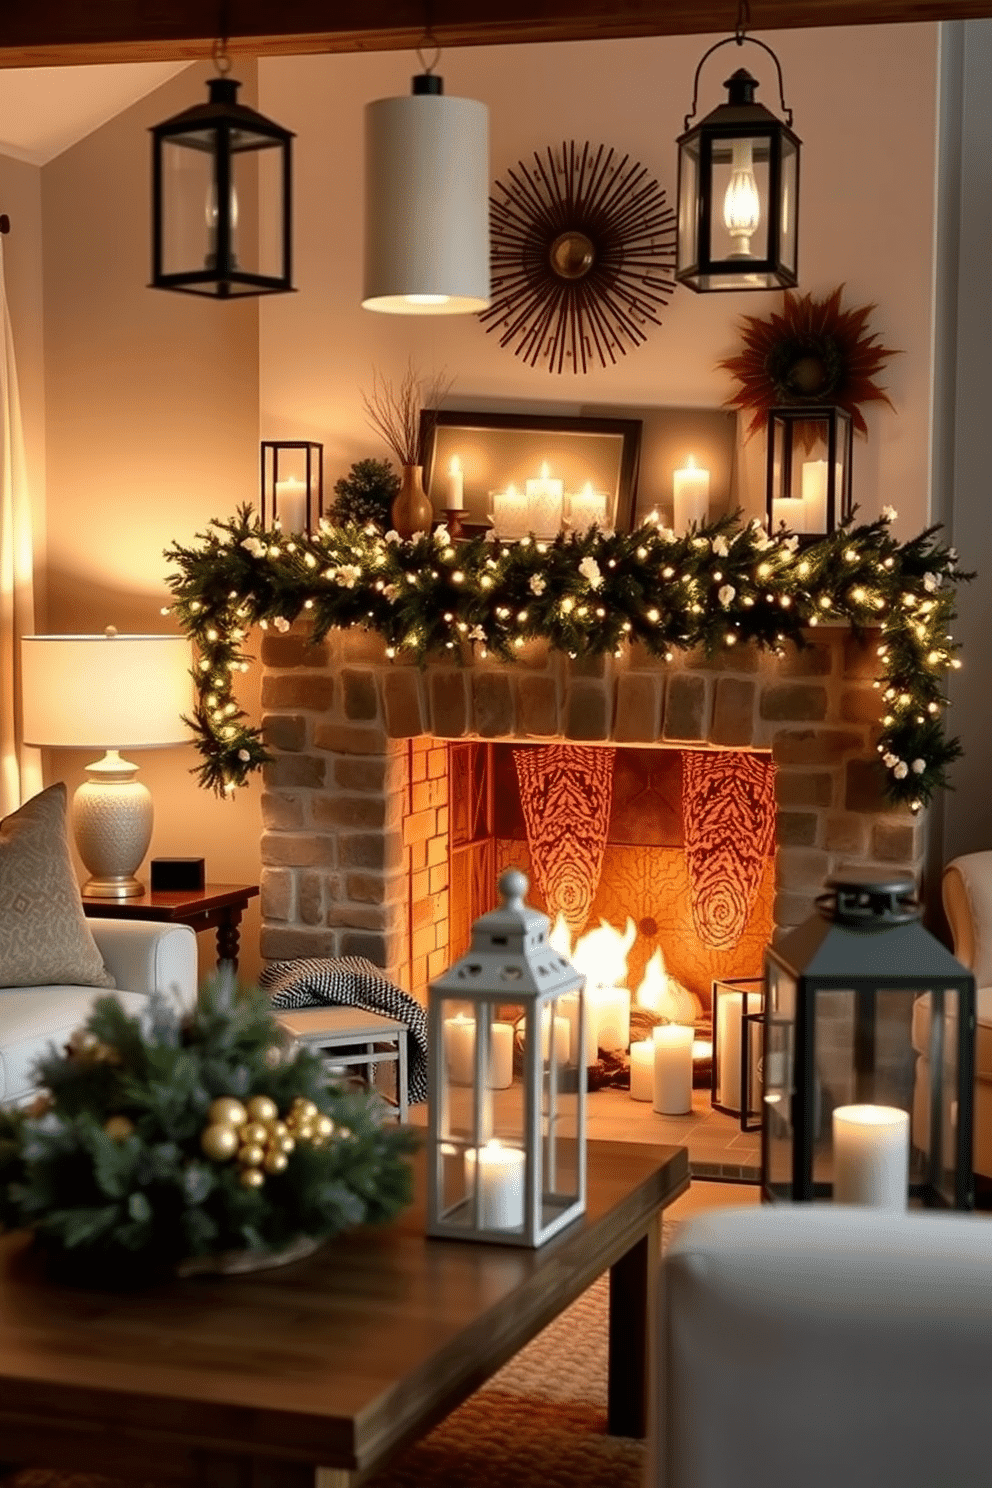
(430, 43)
(222, 61)
(739, 38)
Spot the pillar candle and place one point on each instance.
(456, 485)
(815, 495)
(729, 1029)
(563, 1038)
(609, 1008)
(790, 510)
(291, 504)
(642, 1070)
(691, 493)
(871, 1156)
(459, 1049)
(586, 507)
(672, 1069)
(569, 1005)
(511, 513)
(545, 495)
(500, 1174)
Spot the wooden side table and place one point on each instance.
(216, 907)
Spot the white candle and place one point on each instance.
(569, 1005)
(790, 510)
(456, 485)
(459, 1050)
(500, 1173)
(672, 1069)
(511, 513)
(691, 493)
(642, 1070)
(815, 495)
(545, 496)
(563, 1038)
(291, 504)
(871, 1156)
(586, 507)
(729, 1029)
(609, 1011)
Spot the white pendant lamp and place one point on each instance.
(426, 203)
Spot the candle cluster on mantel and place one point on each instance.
(586, 594)
(540, 510)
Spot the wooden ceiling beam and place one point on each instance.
(61, 32)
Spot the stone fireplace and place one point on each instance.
(378, 804)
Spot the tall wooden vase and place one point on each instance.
(411, 510)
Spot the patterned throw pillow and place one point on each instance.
(44, 937)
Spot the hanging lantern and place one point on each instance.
(868, 1055)
(221, 199)
(426, 202)
(506, 1153)
(738, 189)
(292, 491)
(809, 469)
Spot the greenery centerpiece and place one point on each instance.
(183, 1142)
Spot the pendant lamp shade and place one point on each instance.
(426, 203)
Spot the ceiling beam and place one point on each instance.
(60, 32)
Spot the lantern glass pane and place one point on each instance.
(739, 217)
(789, 199)
(737, 1028)
(936, 1075)
(559, 1109)
(188, 203)
(688, 232)
(778, 1073)
(269, 166)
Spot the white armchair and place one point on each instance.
(967, 895)
(814, 1346)
(140, 955)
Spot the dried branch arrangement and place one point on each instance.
(395, 412)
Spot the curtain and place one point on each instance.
(20, 767)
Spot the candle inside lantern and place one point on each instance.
(871, 1156)
(459, 1050)
(642, 1070)
(730, 1029)
(563, 1038)
(691, 495)
(511, 513)
(499, 1172)
(814, 487)
(291, 504)
(587, 507)
(673, 1069)
(589, 1052)
(545, 494)
(456, 485)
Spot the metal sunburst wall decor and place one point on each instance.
(583, 257)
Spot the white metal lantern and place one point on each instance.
(507, 1118)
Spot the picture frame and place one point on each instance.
(522, 473)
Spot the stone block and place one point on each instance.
(792, 909)
(587, 666)
(537, 705)
(284, 944)
(814, 746)
(796, 828)
(281, 812)
(845, 832)
(382, 850)
(864, 785)
(297, 850)
(534, 654)
(294, 651)
(804, 788)
(638, 714)
(365, 916)
(449, 704)
(376, 772)
(815, 660)
(348, 738)
(492, 704)
(794, 702)
(311, 899)
(359, 647)
(359, 694)
(377, 946)
(895, 842)
(311, 690)
(276, 886)
(306, 770)
(588, 710)
(861, 659)
(861, 705)
(685, 708)
(284, 731)
(352, 811)
(403, 704)
(366, 888)
(733, 712)
(801, 869)
(727, 659)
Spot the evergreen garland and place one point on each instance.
(722, 584)
(110, 1170)
(366, 494)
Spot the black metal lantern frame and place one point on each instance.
(810, 456)
(298, 460)
(718, 157)
(207, 171)
(868, 1018)
(738, 1034)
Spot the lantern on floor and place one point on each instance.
(809, 469)
(738, 189)
(292, 484)
(506, 1151)
(868, 1055)
(221, 201)
(738, 1029)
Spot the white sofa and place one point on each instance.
(141, 957)
(814, 1346)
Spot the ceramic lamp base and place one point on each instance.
(112, 824)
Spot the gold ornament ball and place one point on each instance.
(252, 1177)
(324, 1127)
(305, 1131)
(227, 1111)
(304, 1110)
(253, 1133)
(251, 1156)
(278, 1129)
(275, 1162)
(287, 1143)
(261, 1108)
(118, 1128)
(219, 1141)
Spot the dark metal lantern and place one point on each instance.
(869, 1031)
(810, 450)
(292, 484)
(221, 199)
(738, 1031)
(738, 191)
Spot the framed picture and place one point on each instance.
(520, 473)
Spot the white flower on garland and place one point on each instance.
(390, 592)
(477, 633)
(537, 584)
(720, 547)
(919, 765)
(281, 623)
(589, 569)
(255, 548)
(442, 536)
(725, 594)
(791, 544)
(889, 513)
(392, 536)
(244, 756)
(952, 556)
(901, 770)
(890, 761)
(931, 582)
(348, 575)
(667, 534)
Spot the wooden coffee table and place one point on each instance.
(313, 1375)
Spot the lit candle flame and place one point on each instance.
(602, 954)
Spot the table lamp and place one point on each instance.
(107, 692)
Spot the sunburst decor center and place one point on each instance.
(583, 257)
(587, 594)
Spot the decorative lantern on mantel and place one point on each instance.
(506, 1153)
(292, 484)
(809, 469)
(868, 1055)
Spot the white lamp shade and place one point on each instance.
(426, 205)
(105, 692)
